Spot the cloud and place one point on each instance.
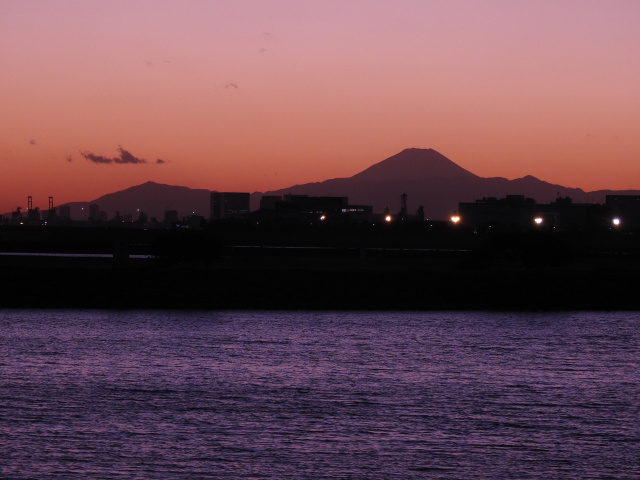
(125, 157)
(96, 158)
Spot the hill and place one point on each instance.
(152, 199)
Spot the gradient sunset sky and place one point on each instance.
(259, 95)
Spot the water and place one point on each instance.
(174, 395)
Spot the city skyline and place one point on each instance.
(257, 96)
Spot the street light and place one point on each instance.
(538, 220)
(455, 219)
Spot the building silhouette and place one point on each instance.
(229, 205)
(520, 212)
(269, 202)
(95, 214)
(64, 212)
(170, 216)
(310, 208)
(624, 208)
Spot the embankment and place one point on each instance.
(435, 282)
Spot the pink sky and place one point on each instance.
(260, 95)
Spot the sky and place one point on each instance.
(256, 95)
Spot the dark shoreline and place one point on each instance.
(435, 282)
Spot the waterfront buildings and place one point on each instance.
(520, 212)
(310, 208)
(229, 205)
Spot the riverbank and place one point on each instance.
(438, 281)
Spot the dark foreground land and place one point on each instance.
(514, 277)
(274, 282)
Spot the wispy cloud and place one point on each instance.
(125, 157)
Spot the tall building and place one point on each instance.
(229, 205)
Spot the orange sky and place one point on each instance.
(259, 95)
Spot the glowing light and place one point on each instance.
(538, 220)
(616, 221)
(455, 219)
(323, 218)
(387, 218)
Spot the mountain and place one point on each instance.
(427, 177)
(152, 199)
(414, 163)
(431, 180)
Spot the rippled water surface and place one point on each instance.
(173, 395)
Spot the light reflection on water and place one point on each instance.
(155, 394)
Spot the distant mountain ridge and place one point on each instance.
(427, 177)
(432, 180)
(151, 198)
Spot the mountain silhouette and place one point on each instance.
(152, 199)
(433, 181)
(414, 163)
(427, 177)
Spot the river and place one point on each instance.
(318, 395)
